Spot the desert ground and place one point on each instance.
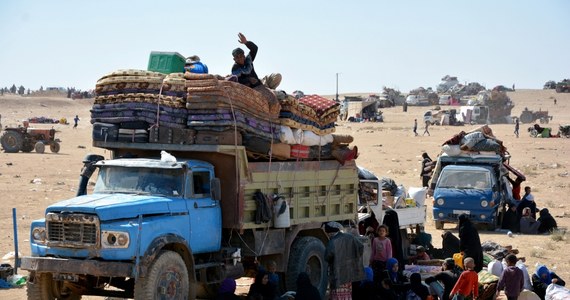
(30, 182)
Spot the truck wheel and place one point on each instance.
(439, 225)
(12, 141)
(43, 287)
(307, 255)
(54, 147)
(167, 278)
(40, 147)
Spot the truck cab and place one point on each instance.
(471, 184)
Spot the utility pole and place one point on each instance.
(336, 87)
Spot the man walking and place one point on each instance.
(75, 120)
(426, 129)
(416, 127)
(517, 127)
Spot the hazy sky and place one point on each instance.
(371, 44)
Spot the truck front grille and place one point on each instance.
(72, 230)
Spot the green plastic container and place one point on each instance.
(166, 62)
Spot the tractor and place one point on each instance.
(27, 139)
(529, 116)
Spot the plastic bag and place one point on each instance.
(419, 195)
(286, 136)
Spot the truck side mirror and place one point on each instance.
(216, 189)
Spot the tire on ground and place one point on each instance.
(54, 147)
(40, 147)
(166, 274)
(307, 255)
(43, 287)
(12, 141)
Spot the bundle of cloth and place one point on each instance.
(479, 139)
(144, 98)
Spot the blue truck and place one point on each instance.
(154, 227)
(473, 184)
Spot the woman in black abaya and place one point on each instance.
(469, 242)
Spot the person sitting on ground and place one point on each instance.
(365, 289)
(421, 254)
(393, 273)
(526, 201)
(305, 289)
(547, 222)
(542, 278)
(528, 225)
(193, 65)
(227, 290)
(416, 290)
(468, 282)
(443, 282)
(262, 287)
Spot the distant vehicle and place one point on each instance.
(444, 99)
(446, 83)
(549, 85)
(473, 114)
(418, 100)
(26, 139)
(563, 86)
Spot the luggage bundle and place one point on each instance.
(480, 139)
(129, 102)
(143, 106)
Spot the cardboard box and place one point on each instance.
(299, 151)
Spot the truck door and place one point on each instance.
(205, 213)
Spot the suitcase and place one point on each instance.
(299, 151)
(133, 135)
(255, 144)
(227, 137)
(168, 135)
(105, 132)
(280, 150)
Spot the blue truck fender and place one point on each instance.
(169, 242)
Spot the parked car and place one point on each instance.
(417, 100)
(444, 99)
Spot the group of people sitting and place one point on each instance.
(521, 216)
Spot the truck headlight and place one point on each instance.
(484, 203)
(115, 239)
(483, 217)
(440, 201)
(39, 234)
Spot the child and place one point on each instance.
(381, 251)
(420, 254)
(512, 279)
(468, 282)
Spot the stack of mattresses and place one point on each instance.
(130, 102)
(224, 111)
(313, 113)
(306, 129)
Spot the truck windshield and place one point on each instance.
(151, 181)
(465, 179)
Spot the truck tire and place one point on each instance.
(526, 117)
(12, 141)
(307, 255)
(439, 225)
(40, 147)
(43, 287)
(54, 147)
(167, 274)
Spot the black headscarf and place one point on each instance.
(469, 241)
(547, 222)
(306, 290)
(391, 220)
(267, 291)
(417, 287)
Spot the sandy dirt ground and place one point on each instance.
(30, 182)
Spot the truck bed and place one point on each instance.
(316, 191)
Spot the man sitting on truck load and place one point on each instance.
(193, 65)
(244, 71)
